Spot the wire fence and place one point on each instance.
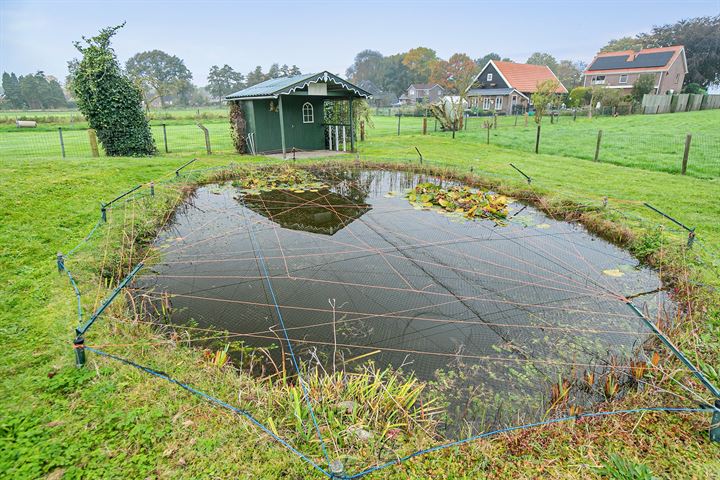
(696, 155)
(79, 143)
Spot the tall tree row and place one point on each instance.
(34, 91)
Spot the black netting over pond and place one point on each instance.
(459, 324)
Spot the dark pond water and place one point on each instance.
(485, 311)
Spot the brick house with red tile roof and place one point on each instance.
(506, 87)
(622, 69)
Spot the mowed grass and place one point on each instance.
(649, 142)
(111, 421)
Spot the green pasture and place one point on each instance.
(648, 142)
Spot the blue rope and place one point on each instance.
(521, 427)
(266, 274)
(216, 401)
(84, 240)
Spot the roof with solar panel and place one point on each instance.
(647, 59)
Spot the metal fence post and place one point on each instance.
(686, 153)
(399, 115)
(62, 143)
(165, 138)
(597, 145)
(207, 138)
(537, 139)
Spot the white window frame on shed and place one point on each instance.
(308, 114)
(498, 103)
(486, 103)
(489, 77)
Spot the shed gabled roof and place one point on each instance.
(287, 85)
(647, 59)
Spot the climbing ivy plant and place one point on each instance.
(108, 99)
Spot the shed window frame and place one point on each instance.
(308, 114)
(489, 77)
(498, 103)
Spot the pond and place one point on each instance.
(491, 313)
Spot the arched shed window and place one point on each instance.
(307, 112)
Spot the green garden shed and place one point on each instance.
(298, 113)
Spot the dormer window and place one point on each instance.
(308, 113)
(489, 77)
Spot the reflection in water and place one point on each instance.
(491, 315)
(323, 211)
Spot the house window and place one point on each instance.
(486, 103)
(498, 103)
(514, 99)
(623, 79)
(489, 77)
(308, 115)
(599, 80)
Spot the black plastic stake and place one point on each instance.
(537, 140)
(420, 154)
(177, 172)
(103, 212)
(79, 347)
(691, 231)
(60, 262)
(715, 423)
(529, 180)
(152, 189)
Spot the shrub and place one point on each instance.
(108, 99)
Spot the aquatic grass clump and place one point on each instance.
(462, 200)
(283, 178)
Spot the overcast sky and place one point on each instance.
(323, 35)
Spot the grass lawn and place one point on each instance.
(112, 421)
(649, 142)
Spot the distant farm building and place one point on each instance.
(422, 93)
(380, 98)
(622, 69)
(298, 113)
(506, 87)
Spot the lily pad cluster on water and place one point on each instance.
(286, 178)
(460, 200)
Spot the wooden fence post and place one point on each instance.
(62, 143)
(526, 119)
(362, 130)
(399, 124)
(165, 138)
(495, 120)
(597, 146)
(207, 137)
(537, 140)
(686, 153)
(424, 126)
(93, 142)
